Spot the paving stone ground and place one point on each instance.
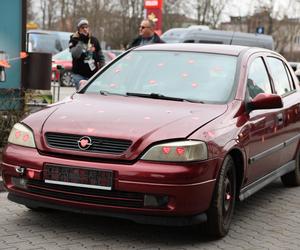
(270, 219)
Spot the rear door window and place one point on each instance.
(282, 81)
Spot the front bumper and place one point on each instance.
(189, 188)
(138, 218)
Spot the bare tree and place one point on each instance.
(128, 15)
(172, 13)
(30, 12)
(52, 13)
(43, 4)
(207, 12)
(216, 11)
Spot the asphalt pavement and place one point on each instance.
(270, 219)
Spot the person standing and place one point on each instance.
(147, 34)
(87, 56)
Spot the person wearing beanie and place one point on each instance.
(147, 34)
(87, 56)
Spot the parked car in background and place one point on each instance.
(174, 35)
(296, 67)
(168, 134)
(47, 41)
(198, 35)
(63, 74)
(117, 52)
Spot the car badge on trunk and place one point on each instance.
(85, 142)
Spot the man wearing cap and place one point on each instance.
(86, 53)
(147, 34)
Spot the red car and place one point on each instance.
(167, 134)
(64, 60)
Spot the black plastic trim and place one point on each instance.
(267, 179)
(143, 219)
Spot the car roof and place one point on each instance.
(49, 32)
(234, 50)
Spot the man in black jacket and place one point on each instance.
(146, 34)
(86, 53)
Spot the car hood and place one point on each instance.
(140, 120)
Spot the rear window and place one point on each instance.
(47, 43)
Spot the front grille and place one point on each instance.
(99, 145)
(91, 196)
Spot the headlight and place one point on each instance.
(179, 151)
(21, 135)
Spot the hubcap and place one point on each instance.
(67, 79)
(227, 195)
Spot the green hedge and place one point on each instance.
(11, 111)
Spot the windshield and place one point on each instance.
(201, 77)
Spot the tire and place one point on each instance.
(38, 209)
(292, 179)
(66, 79)
(220, 213)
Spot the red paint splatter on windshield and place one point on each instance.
(152, 81)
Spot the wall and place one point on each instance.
(11, 39)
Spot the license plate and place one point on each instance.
(78, 177)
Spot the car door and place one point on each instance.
(285, 87)
(263, 126)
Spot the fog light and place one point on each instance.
(155, 201)
(19, 182)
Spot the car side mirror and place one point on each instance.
(2, 74)
(265, 101)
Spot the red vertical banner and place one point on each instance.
(154, 13)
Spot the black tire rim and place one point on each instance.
(66, 79)
(228, 196)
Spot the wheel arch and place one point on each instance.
(239, 164)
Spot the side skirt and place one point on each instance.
(267, 179)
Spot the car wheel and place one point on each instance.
(223, 202)
(292, 179)
(66, 78)
(38, 209)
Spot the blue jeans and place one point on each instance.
(77, 78)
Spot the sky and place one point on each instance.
(244, 7)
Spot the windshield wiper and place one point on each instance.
(162, 97)
(105, 92)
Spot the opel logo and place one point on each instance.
(84, 142)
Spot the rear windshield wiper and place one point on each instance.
(162, 97)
